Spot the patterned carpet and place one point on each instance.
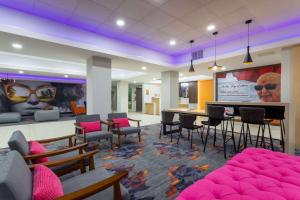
(159, 169)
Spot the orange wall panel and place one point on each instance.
(205, 93)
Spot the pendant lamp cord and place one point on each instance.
(248, 34)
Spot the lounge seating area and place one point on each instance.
(149, 100)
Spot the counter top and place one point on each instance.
(249, 103)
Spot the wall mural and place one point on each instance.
(26, 96)
(259, 84)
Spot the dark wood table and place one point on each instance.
(196, 112)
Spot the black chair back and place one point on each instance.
(167, 117)
(187, 120)
(216, 113)
(87, 118)
(112, 116)
(252, 115)
(275, 112)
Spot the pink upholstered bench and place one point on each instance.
(253, 174)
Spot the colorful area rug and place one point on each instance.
(159, 169)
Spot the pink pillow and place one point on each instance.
(37, 148)
(91, 126)
(121, 122)
(46, 185)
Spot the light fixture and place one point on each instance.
(144, 68)
(17, 45)
(248, 59)
(154, 79)
(215, 66)
(172, 42)
(66, 76)
(191, 69)
(21, 72)
(134, 82)
(120, 22)
(180, 74)
(211, 27)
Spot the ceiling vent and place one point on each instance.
(197, 55)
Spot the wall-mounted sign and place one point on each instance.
(259, 84)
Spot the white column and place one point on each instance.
(122, 96)
(290, 93)
(169, 90)
(99, 86)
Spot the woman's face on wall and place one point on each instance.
(27, 97)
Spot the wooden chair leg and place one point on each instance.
(119, 140)
(75, 141)
(139, 134)
(117, 191)
(111, 143)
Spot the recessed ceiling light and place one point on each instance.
(134, 82)
(66, 76)
(144, 68)
(172, 42)
(180, 74)
(211, 27)
(21, 72)
(17, 45)
(120, 22)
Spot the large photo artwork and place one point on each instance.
(26, 96)
(259, 84)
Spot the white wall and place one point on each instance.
(154, 91)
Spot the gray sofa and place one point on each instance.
(46, 115)
(11, 117)
(16, 181)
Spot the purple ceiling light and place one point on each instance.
(41, 78)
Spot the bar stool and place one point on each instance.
(215, 118)
(256, 116)
(167, 120)
(277, 113)
(187, 121)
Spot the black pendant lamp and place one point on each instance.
(191, 69)
(215, 66)
(248, 59)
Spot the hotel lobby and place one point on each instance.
(149, 99)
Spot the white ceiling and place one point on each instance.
(152, 23)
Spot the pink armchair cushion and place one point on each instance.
(121, 122)
(91, 126)
(258, 174)
(46, 185)
(37, 148)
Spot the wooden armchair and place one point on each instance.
(97, 183)
(124, 130)
(83, 136)
(18, 142)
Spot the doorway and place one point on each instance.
(139, 99)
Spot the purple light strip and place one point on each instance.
(41, 78)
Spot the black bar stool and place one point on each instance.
(215, 118)
(277, 113)
(187, 121)
(167, 120)
(256, 116)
